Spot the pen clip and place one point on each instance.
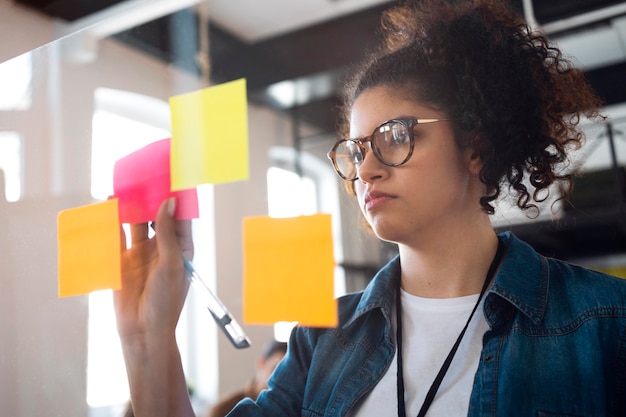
(220, 314)
(232, 330)
(225, 321)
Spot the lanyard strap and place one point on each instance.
(446, 364)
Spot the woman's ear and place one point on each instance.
(473, 154)
(475, 162)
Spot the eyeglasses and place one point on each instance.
(392, 143)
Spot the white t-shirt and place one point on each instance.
(430, 328)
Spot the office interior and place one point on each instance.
(84, 83)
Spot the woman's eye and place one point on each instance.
(400, 136)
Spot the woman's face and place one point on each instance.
(429, 195)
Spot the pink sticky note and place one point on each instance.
(141, 181)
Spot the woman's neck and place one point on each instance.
(448, 267)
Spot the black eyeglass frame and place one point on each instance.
(409, 123)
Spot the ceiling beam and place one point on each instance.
(324, 47)
(125, 15)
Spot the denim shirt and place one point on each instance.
(556, 346)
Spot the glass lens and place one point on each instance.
(347, 157)
(392, 142)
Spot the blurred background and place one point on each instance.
(83, 83)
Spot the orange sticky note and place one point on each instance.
(288, 271)
(89, 249)
(209, 136)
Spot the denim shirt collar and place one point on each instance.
(379, 293)
(522, 280)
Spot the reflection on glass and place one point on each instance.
(68, 111)
(113, 138)
(11, 158)
(15, 83)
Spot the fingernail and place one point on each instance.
(171, 206)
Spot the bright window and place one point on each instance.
(291, 195)
(11, 156)
(114, 136)
(15, 83)
(122, 123)
(288, 195)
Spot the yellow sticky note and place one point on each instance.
(209, 136)
(89, 249)
(288, 271)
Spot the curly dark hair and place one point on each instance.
(512, 96)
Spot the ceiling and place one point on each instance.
(308, 44)
(294, 53)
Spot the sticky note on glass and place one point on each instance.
(288, 271)
(89, 249)
(141, 182)
(210, 136)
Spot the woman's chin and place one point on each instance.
(386, 232)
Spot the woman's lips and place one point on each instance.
(375, 199)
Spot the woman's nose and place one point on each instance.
(370, 167)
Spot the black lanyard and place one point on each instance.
(446, 364)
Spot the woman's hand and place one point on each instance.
(154, 288)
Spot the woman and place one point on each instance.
(462, 103)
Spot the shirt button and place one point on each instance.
(365, 376)
(492, 307)
(488, 358)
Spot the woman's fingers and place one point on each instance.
(173, 237)
(138, 233)
(166, 235)
(154, 286)
(122, 238)
(185, 238)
